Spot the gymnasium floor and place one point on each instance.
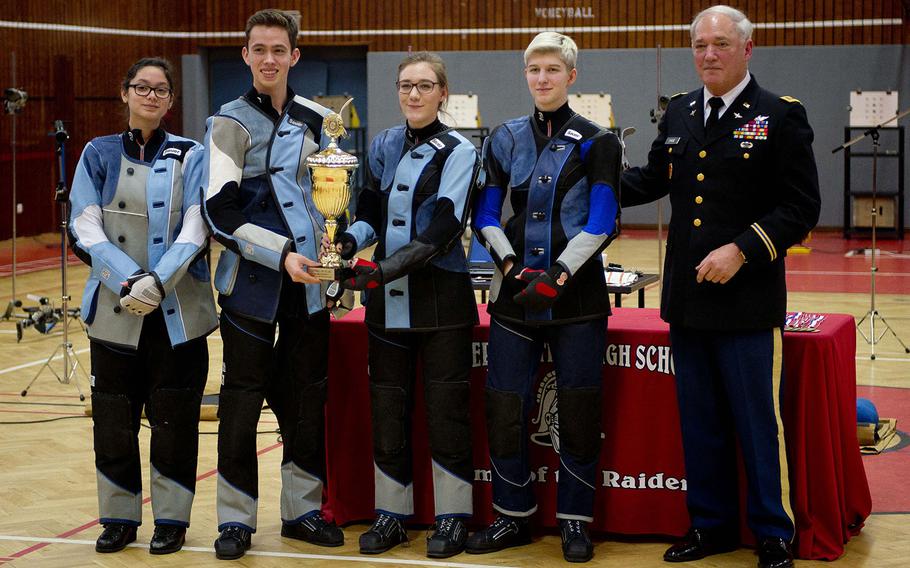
(48, 508)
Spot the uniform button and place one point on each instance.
(117, 309)
(252, 277)
(669, 150)
(700, 177)
(263, 204)
(121, 239)
(122, 204)
(746, 156)
(698, 199)
(129, 171)
(697, 222)
(702, 154)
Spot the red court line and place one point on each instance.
(91, 524)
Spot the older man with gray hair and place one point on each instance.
(737, 163)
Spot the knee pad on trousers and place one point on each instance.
(116, 445)
(309, 436)
(174, 418)
(238, 413)
(448, 413)
(579, 422)
(389, 406)
(504, 421)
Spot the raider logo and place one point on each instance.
(547, 419)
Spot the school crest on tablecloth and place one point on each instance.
(755, 129)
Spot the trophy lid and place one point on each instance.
(332, 157)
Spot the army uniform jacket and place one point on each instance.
(752, 181)
(135, 208)
(415, 207)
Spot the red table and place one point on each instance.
(642, 482)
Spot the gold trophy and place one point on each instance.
(330, 172)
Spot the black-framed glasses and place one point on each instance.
(423, 87)
(144, 90)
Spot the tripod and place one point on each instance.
(873, 314)
(61, 196)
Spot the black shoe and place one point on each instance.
(774, 553)
(167, 539)
(448, 539)
(699, 543)
(385, 533)
(315, 530)
(115, 537)
(576, 544)
(232, 543)
(505, 532)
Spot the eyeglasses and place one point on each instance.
(144, 90)
(423, 87)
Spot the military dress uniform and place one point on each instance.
(135, 210)
(420, 306)
(560, 173)
(750, 179)
(259, 204)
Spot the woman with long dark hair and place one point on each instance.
(148, 305)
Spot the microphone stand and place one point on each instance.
(61, 196)
(873, 313)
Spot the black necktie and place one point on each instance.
(716, 103)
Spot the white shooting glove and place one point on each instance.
(144, 294)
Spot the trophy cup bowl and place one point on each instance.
(330, 173)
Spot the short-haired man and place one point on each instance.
(738, 165)
(258, 201)
(560, 173)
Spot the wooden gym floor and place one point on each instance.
(48, 506)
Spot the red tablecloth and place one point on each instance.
(642, 481)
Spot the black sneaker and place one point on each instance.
(505, 532)
(167, 539)
(115, 537)
(385, 533)
(576, 544)
(315, 530)
(448, 539)
(232, 543)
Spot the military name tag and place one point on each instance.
(672, 140)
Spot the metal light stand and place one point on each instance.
(70, 361)
(872, 338)
(13, 103)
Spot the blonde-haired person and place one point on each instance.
(419, 305)
(560, 172)
(148, 306)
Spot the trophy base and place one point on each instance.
(326, 273)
